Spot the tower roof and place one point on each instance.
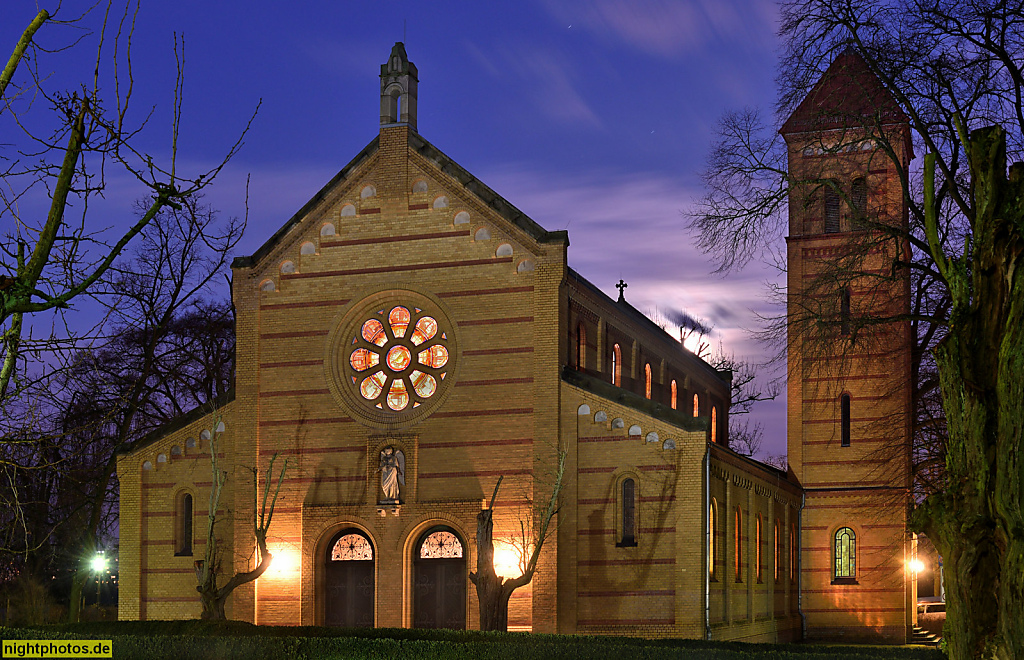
(847, 95)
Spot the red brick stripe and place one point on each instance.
(478, 413)
(324, 480)
(476, 443)
(311, 303)
(594, 470)
(170, 599)
(853, 589)
(624, 594)
(486, 292)
(368, 211)
(631, 622)
(836, 420)
(418, 207)
(644, 530)
(396, 239)
(496, 381)
(602, 438)
(264, 395)
(191, 570)
(478, 473)
(626, 562)
(399, 269)
(311, 450)
(858, 610)
(853, 461)
(656, 468)
(500, 351)
(511, 319)
(296, 363)
(291, 335)
(294, 422)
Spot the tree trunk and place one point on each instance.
(77, 587)
(977, 524)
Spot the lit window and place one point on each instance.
(647, 380)
(844, 405)
(776, 560)
(402, 370)
(831, 208)
(673, 395)
(696, 405)
(844, 565)
(628, 513)
(441, 545)
(739, 545)
(712, 538)
(714, 424)
(757, 546)
(352, 547)
(616, 366)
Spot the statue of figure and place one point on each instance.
(392, 473)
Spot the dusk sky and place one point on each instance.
(595, 117)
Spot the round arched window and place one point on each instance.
(392, 357)
(352, 547)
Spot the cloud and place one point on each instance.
(545, 75)
(669, 28)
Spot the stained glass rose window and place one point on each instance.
(399, 356)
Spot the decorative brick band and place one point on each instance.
(310, 303)
(511, 319)
(500, 351)
(476, 443)
(302, 422)
(486, 292)
(294, 363)
(478, 413)
(626, 562)
(625, 594)
(395, 239)
(496, 381)
(478, 473)
(325, 480)
(264, 395)
(400, 269)
(628, 622)
(293, 335)
(604, 438)
(595, 470)
(311, 450)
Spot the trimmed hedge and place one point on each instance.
(235, 639)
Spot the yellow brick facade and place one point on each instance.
(533, 353)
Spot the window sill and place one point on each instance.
(182, 554)
(626, 543)
(845, 581)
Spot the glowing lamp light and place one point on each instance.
(506, 560)
(915, 566)
(283, 563)
(99, 563)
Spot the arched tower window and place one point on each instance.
(739, 545)
(616, 366)
(674, 392)
(831, 208)
(844, 564)
(696, 405)
(757, 547)
(185, 519)
(628, 513)
(844, 405)
(844, 312)
(647, 380)
(714, 424)
(859, 198)
(581, 346)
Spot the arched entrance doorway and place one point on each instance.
(348, 583)
(439, 581)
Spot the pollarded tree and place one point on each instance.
(954, 69)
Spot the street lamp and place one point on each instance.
(99, 564)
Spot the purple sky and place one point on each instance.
(594, 117)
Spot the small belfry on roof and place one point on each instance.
(398, 80)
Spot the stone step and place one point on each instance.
(921, 636)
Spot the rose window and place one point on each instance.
(399, 356)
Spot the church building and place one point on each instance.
(409, 337)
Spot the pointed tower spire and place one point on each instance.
(398, 89)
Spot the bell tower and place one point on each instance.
(849, 354)
(398, 89)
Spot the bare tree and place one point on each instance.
(68, 157)
(210, 567)
(493, 591)
(952, 69)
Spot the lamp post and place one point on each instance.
(99, 563)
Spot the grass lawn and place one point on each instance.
(196, 639)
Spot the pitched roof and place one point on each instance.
(470, 183)
(849, 95)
